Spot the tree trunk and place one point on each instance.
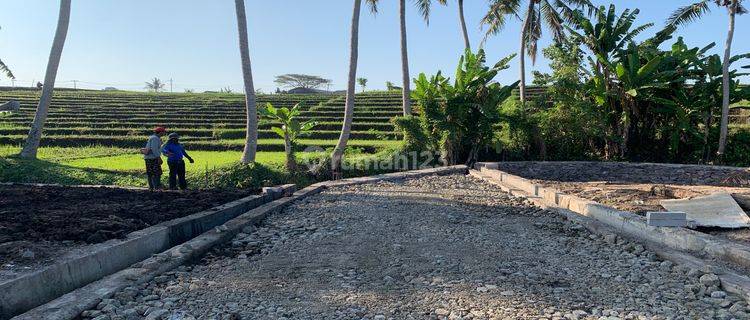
(706, 146)
(522, 53)
(467, 43)
(35, 132)
(338, 152)
(522, 67)
(291, 162)
(251, 125)
(725, 82)
(405, 60)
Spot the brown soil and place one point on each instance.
(625, 173)
(639, 188)
(96, 214)
(42, 224)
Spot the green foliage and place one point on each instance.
(252, 176)
(457, 118)
(622, 99)
(657, 105)
(155, 85)
(362, 83)
(290, 128)
(738, 148)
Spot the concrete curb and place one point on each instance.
(669, 242)
(666, 165)
(462, 169)
(28, 291)
(70, 305)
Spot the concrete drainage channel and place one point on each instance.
(80, 284)
(680, 245)
(26, 292)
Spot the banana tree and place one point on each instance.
(608, 38)
(290, 128)
(461, 116)
(686, 14)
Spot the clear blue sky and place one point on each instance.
(124, 43)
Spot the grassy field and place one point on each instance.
(210, 122)
(103, 165)
(92, 137)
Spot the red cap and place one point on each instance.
(160, 130)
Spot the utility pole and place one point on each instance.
(13, 82)
(75, 84)
(170, 85)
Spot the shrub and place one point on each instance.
(457, 118)
(738, 148)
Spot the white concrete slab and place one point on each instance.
(716, 210)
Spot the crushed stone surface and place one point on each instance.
(438, 247)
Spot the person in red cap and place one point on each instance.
(152, 156)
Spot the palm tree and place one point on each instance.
(405, 77)
(461, 19)
(689, 13)
(552, 13)
(424, 8)
(35, 132)
(362, 83)
(346, 128)
(155, 85)
(251, 111)
(4, 69)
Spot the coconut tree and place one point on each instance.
(5, 70)
(155, 85)
(551, 13)
(462, 21)
(424, 7)
(251, 113)
(692, 12)
(35, 133)
(351, 87)
(362, 83)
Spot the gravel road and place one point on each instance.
(449, 247)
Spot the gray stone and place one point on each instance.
(709, 280)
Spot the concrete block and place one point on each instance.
(667, 223)
(666, 215)
(667, 219)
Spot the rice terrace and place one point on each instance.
(349, 159)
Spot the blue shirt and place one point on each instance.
(174, 151)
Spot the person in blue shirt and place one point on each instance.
(175, 152)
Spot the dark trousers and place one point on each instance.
(177, 172)
(153, 173)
